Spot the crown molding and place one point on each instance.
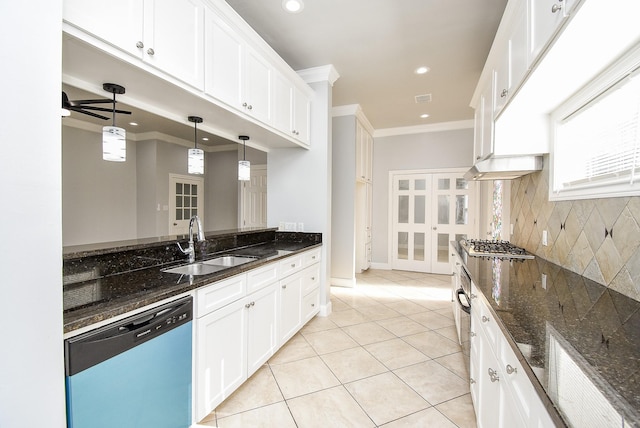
(420, 129)
(353, 110)
(324, 73)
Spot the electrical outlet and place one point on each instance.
(290, 227)
(544, 281)
(300, 227)
(544, 238)
(511, 229)
(281, 226)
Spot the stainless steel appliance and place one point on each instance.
(489, 248)
(133, 373)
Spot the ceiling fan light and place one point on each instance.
(114, 144)
(196, 161)
(244, 170)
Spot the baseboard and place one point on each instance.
(325, 310)
(343, 282)
(381, 266)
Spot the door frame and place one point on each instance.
(392, 173)
(242, 212)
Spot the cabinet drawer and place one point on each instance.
(310, 305)
(310, 278)
(311, 257)
(518, 381)
(220, 293)
(289, 265)
(261, 277)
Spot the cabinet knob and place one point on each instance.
(248, 305)
(472, 381)
(511, 370)
(244, 104)
(313, 278)
(293, 265)
(485, 319)
(139, 45)
(473, 296)
(150, 51)
(493, 375)
(284, 286)
(313, 305)
(472, 334)
(249, 107)
(253, 303)
(478, 157)
(503, 93)
(555, 8)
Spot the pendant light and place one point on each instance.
(196, 155)
(114, 139)
(244, 166)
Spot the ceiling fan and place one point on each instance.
(85, 107)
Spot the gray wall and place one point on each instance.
(98, 197)
(431, 150)
(343, 187)
(112, 201)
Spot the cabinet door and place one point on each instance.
(220, 369)
(224, 51)
(124, 31)
(256, 97)
(262, 333)
(487, 120)
(301, 111)
(174, 39)
(546, 17)
(290, 294)
(282, 104)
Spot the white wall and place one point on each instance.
(221, 190)
(299, 182)
(343, 195)
(31, 361)
(429, 150)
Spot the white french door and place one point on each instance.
(186, 199)
(428, 211)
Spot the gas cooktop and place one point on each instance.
(499, 249)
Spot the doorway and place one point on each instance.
(253, 197)
(429, 209)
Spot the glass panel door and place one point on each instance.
(411, 222)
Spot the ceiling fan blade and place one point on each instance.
(80, 110)
(101, 101)
(103, 109)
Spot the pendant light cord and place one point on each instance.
(195, 134)
(114, 109)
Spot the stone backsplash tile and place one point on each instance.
(596, 238)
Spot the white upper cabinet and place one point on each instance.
(168, 35)
(235, 73)
(364, 154)
(291, 108)
(546, 17)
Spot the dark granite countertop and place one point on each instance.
(98, 287)
(598, 328)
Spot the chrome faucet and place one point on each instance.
(191, 251)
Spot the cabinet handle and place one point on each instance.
(472, 380)
(139, 45)
(293, 265)
(150, 51)
(485, 319)
(503, 93)
(493, 375)
(511, 370)
(555, 8)
(284, 286)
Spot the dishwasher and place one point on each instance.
(133, 373)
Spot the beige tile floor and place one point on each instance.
(387, 356)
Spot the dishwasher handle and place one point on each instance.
(91, 348)
(464, 307)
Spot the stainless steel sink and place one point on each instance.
(195, 269)
(229, 261)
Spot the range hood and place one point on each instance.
(506, 168)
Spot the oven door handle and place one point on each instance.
(464, 307)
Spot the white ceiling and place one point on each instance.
(375, 45)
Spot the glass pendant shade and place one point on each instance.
(114, 144)
(244, 170)
(196, 161)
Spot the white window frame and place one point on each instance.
(618, 71)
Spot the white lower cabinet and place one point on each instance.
(502, 394)
(243, 320)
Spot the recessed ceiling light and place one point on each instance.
(424, 116)
(422, 70)
(205, 139)
(133, 124)
(292, 6)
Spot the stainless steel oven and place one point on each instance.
(463, 297)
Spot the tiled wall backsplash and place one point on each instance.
(597, 238)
